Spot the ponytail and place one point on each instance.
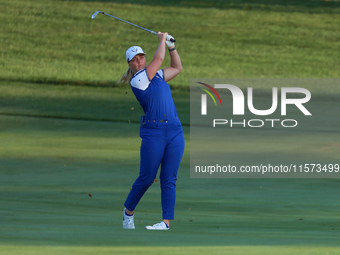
(126, 78)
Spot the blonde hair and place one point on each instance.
(126, 78)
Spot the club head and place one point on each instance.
(95, 14)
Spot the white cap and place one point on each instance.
(133, 51)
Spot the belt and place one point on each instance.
(143, 120)
(166, 121)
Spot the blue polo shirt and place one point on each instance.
(154, 96)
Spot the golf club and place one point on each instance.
(168, 38)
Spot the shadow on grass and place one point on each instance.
(81, 83)
(306, 6)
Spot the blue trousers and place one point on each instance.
(162, 144)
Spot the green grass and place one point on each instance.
(236, 250)
(309, 6)
(53, 155)
(58, 42)
(87, 103)
(49, 166)
(66, 133)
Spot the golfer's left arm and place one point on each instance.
(175, 64)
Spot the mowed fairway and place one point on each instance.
(69, 136)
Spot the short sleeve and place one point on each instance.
(161, 73)
(140, 80)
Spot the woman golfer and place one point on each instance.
(161, 130)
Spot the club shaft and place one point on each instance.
(152, 32)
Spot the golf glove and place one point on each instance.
(168, 42)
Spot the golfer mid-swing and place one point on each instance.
(161, 130)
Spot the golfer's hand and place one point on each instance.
(162, 36)
(168, 42)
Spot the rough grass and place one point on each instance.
(58, 42)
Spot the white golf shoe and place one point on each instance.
(128, 222)
(158, 226)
